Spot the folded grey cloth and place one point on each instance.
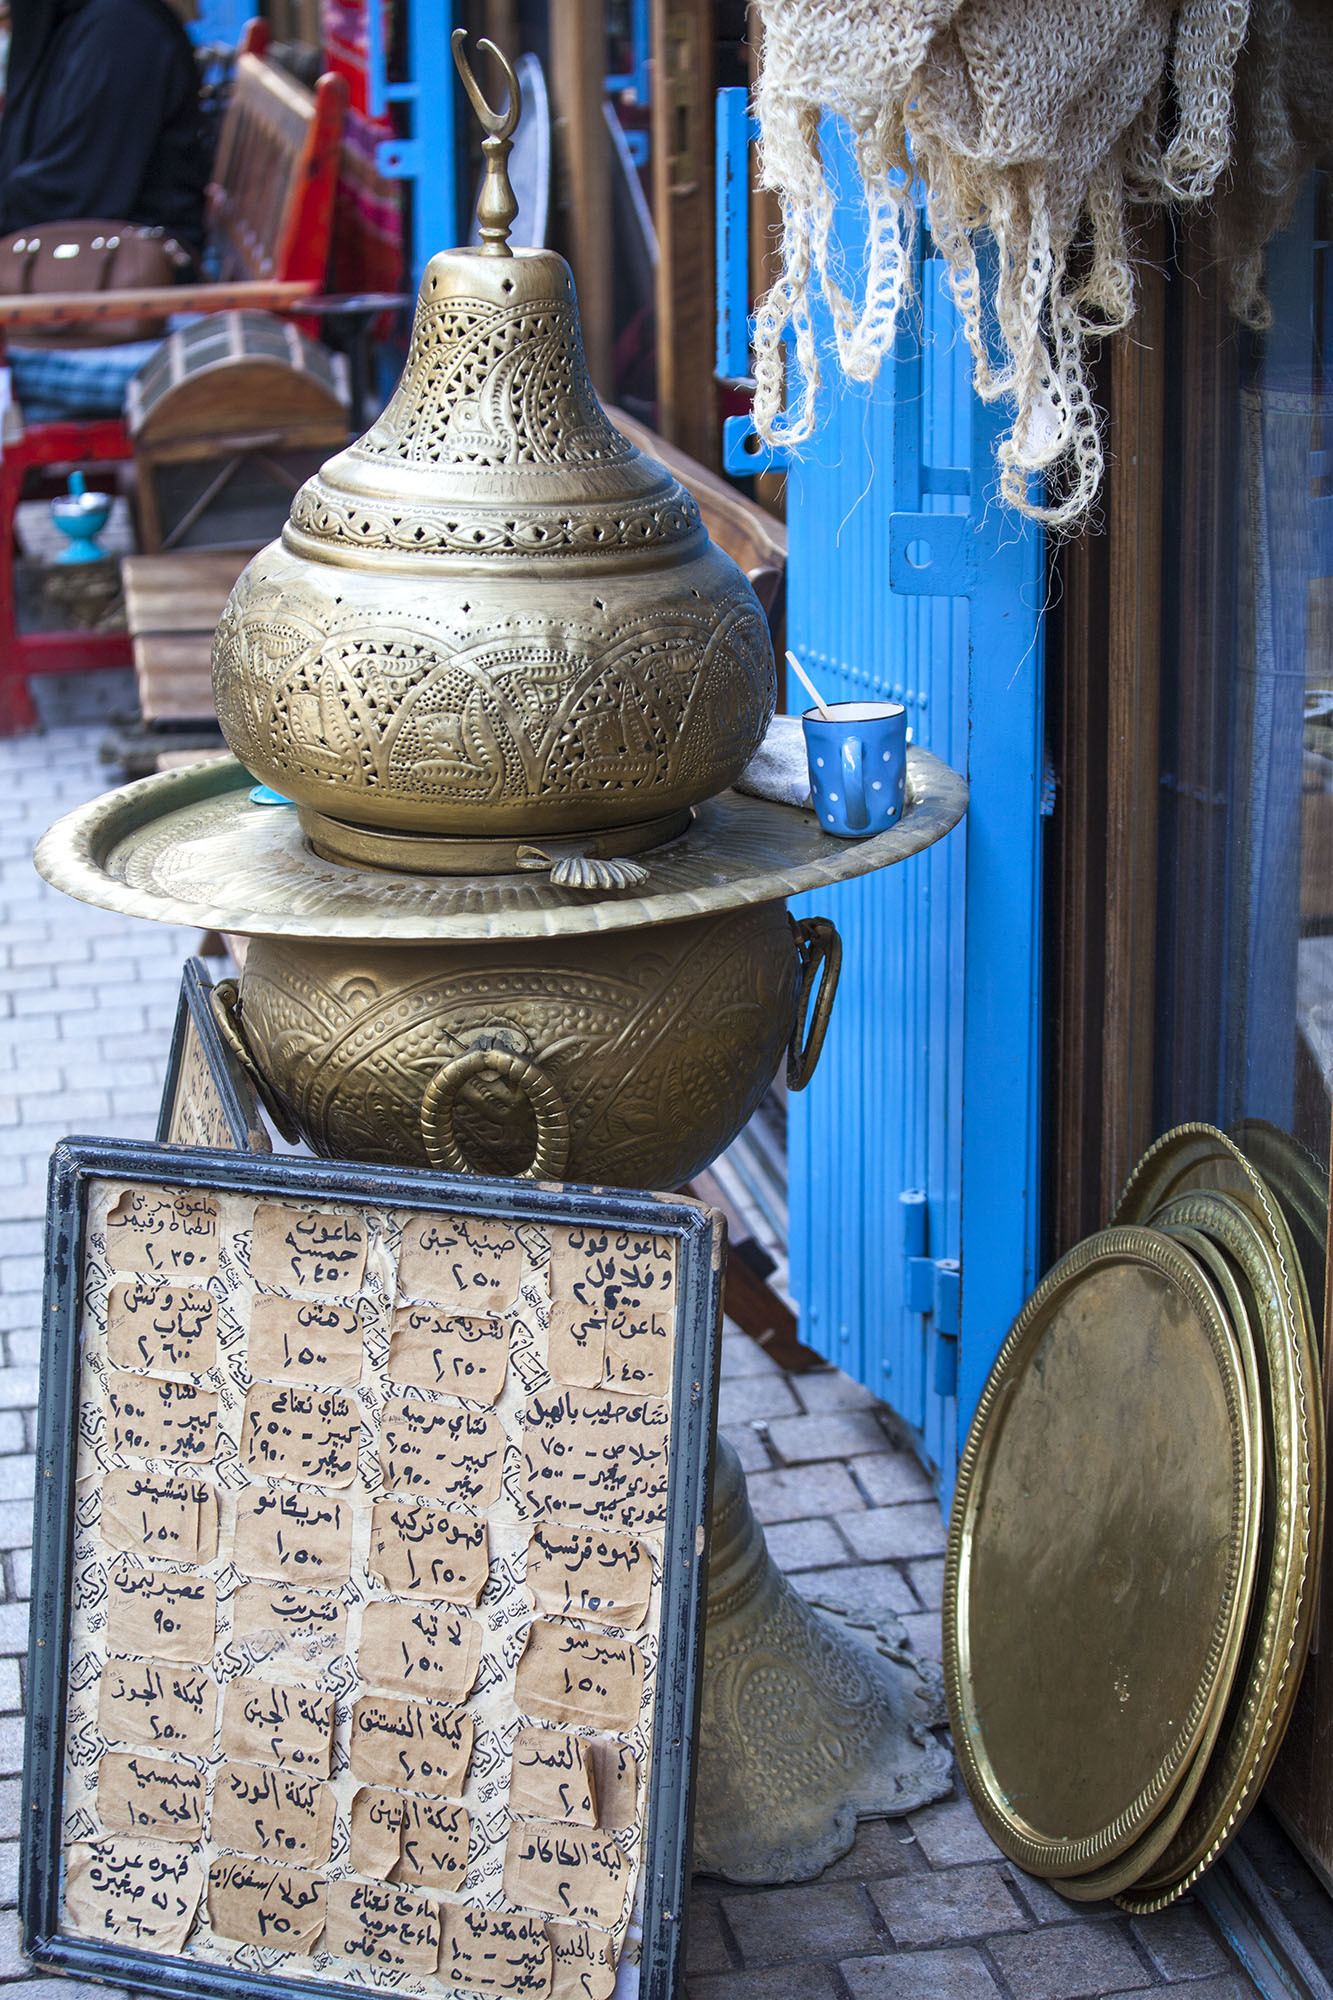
(778, 770)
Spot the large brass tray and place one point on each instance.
(1260, 1250)
(1101, 1554)
(1124, 1873)
(188, 847)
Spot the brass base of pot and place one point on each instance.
(804, 1726)
(437, 854)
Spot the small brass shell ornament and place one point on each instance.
(492, 619)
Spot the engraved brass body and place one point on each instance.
(492, 617)
(628, 1060)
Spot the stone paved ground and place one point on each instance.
(920, 1910)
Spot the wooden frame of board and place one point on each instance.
(207, 1098)
(115, 1181)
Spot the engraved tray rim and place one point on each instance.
(124, 852)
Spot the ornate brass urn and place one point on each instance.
(493, 620)
(517, 922)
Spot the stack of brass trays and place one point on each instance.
(1136, 1529)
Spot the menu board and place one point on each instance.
(381, 1498)
(207, 1098)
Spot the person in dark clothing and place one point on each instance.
(101, 118)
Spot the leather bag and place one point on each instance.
(93, 256)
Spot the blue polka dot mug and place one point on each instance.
(858, 766)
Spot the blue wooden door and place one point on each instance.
(914, 1154)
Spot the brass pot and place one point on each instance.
(492, 618)
(629, 1060)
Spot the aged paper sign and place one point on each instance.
(159, 1230)
(133, 1892)
(458, 1354)
(266, 1812)
(369, 1591)
(571, 1676)
(157, 1706)
(317, 1251)
(468, 1263)
(424, 1649)
(273, 1724)
(161, 1327)
(300, 1433)
(424, 1551)
(258, 1903)
(147, 1514)
(590, 1573)
(304, 1340)
(154, 1417)
(441, 1453)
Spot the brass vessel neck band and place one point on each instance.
(435, 854)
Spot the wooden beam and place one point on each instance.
(578, 56)
(683, 182)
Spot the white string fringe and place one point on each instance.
(1035, 121)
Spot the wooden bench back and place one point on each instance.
(270, 202)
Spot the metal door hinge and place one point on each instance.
(933, 1287)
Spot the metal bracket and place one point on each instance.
(932, 555)
(933, 1287)
(744, 451)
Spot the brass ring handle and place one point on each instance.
(225, 1002)
(548, 1108)
(819, 951)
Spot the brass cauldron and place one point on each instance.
(631, 1060)
(493, 620)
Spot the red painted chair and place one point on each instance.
(269, 221)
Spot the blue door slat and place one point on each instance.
(929, 1076)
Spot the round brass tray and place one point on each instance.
(1101, 1553)
(1125, 1872)
(1279, 1636)
(188, 847)
(1218, 1275)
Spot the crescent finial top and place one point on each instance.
(496, 206)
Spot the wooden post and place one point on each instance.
(578, 60)
(682, 151)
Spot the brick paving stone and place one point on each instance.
(927, 1580)
(11, 1745)
(1180, 1942)
(9, 1874)
(742, 1357)
(753, 1397)
(865, 1589)
(11, 1696)
(1048, 1906)
(806, 1544)
(883, 1848)
(951, 1833)
(14, 1962)
(705, 1942)
(13, 1628)
(799, 1440)
(947, 1907)
(748, 1445)
(20, 1572)
(796, 1492)
(1070, 1961)
(15, 1524)
(818, 1921)
(824, 1389)
(1227, 1986)
(18, 1477)
(789, 1982)
(925, 1634)
(11, 1431)
(11, 1810)
(916, 1529)
(890, 1478)
(920, 1975)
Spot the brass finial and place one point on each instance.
(496, 206)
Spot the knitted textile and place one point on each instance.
(1037, 120)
